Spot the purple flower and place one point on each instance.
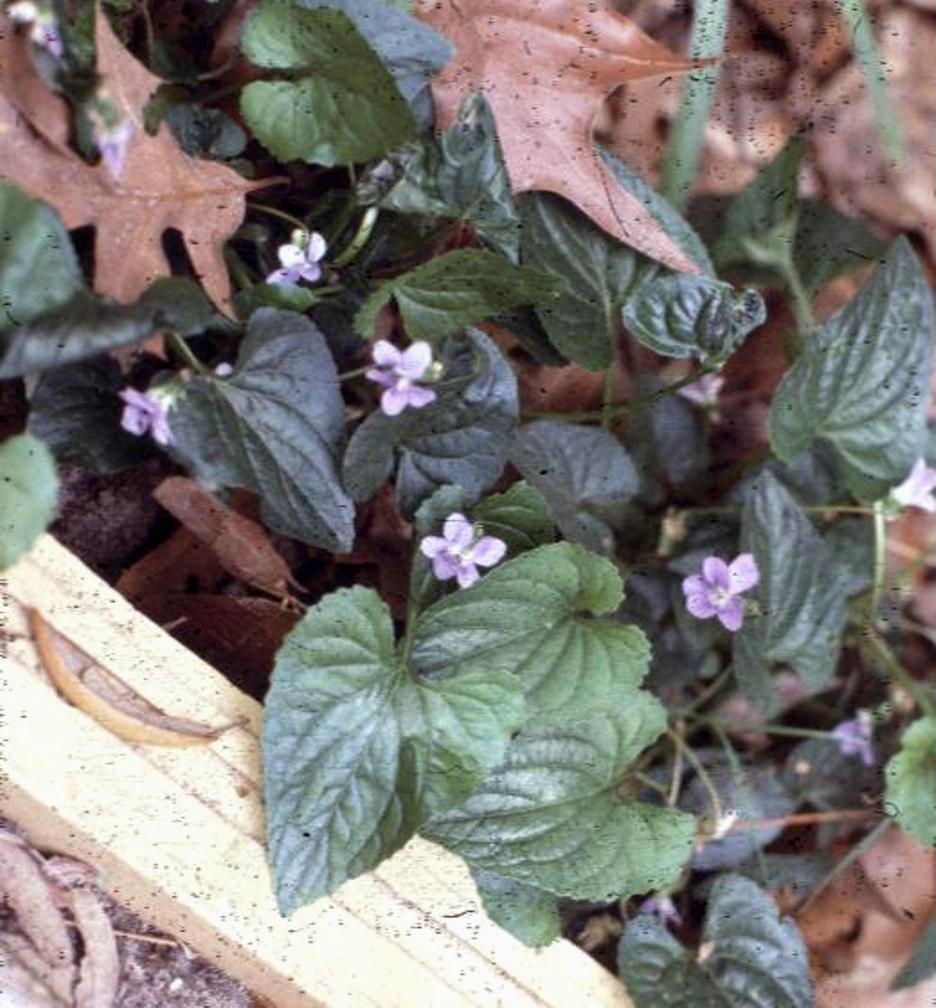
(705, 391)
(144, 412)
(717, 591)
(44, 31)
(917, 489)
(854, 738)
(300, 259)
(663, 908)
(458, 552)
(112, 143)
(399, 372)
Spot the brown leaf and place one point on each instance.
(546, 67)
(99, 970)
(29, 896)
(180, 563)
(21, 976)
(161, 187)
(241, 545)
(103, 697)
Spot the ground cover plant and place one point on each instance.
(455, 407)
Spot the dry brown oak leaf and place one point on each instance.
(161, 186)
(546, 67)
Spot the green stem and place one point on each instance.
(874, 834)
(616, 409)
(878, 651)
(802, 309)
(714, 801)
(692, 512)
(360, 239)
(650, 783)
(877, 573)
(767, 729)
(236, 265)
(703, 698)
(185, 352)
(281, 214)
(354, 372)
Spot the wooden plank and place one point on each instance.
(178, 834)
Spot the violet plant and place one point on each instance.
(572, 743)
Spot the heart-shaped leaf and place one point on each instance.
(528, 913)
(28, 495)
(911, 781)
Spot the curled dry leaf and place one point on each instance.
(161, 187)
(99, 970)
(241, 545)
(103, 697)
(546, 67)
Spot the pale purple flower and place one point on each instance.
(854, 738)
(663, 908)
(917, 489)
(300, 259)
(460, 550)
(112, 143)
(399, 372)
(224, 370)
(145, 412)
(717, 590)
(705, 391)
(44, 31)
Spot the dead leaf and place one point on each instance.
(161, 187)
(99, 970)
(103, 697)
(242, 546)
(21, 969)
(546, 67)
(29, 896)
(180, 563)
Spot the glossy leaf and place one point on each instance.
(338, 104)
(455, 290)
(800, 595)
(275, 426)
(911, 781)
(28, 495)
(580, 471)
(462, 438)
(861, 382)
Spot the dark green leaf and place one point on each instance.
(861, 382)
(274, 427)
(455, 290)
(922, 961)
(38, 268)
(358, 752)
(28, 495)
(462, 175)
(462, 438)
(551, 816)
(679, 315)
(530, 914)
(338, 105)
(761, 223)
(594, 273)
(668, 437)
(76, 411)
(752, 958)
(580, 471)
(205, 132)
(519, 516)
(829, 244)
(911, 781)
(801, 595)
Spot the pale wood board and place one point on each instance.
(178, 834)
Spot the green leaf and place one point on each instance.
(410, 50)
(680, 315)
(28, 495)
(205, 132)
(462, 438)
(530, 914)
(801, 595)
(551, 816)
(829, 244)
(274, 427)
(861, 382)
(922, 961)
(593, 272)
(357, 751)
(910, 794)
(527, 616)
(519, 516)
(38, 267)
(579, 470)
(752, 957)
(76, 411)
(761, 223)
(462, 175)
(455, 290)
(339, 104)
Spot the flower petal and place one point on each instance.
(284, 275)
(731, 614)
(467, 574)
(385, 354)
(715, 572)
(394, 400)
(431, 546)
(290, 256)
(316, 248)
(310, 272)
(458, 531)
(488, 550)
(700, 605)
(743, 573)
(383, 378)
(445, 566)
(134, 420)
(160, 429)
(419, 396)
(414, 360)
